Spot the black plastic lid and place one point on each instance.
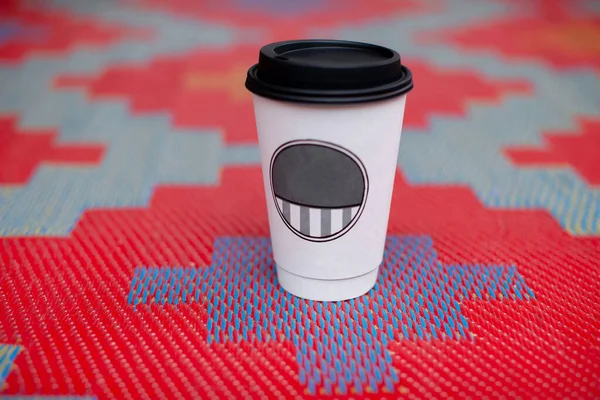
(328, 71)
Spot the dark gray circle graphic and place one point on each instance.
(319, 188)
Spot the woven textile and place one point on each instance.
(135, 259)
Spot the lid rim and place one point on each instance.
(341, 96)
(328, 71)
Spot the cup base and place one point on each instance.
(326, 289)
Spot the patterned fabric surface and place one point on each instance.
(135, 259)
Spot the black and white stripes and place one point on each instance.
(319, 188)
(316, 222)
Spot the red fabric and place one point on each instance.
(21, 153)
(67, 297)
(64, 299)
(578, 150)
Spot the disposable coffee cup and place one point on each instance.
(329, 119)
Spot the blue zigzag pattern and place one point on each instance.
(341, 344)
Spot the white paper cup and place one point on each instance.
(328, 169)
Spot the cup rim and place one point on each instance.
(357, 81)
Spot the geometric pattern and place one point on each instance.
(199, 79)
(286, 18)
(150, 153)
(467, 151)
(579, 151)
(447, 92)
(50, 32)
(93, 268)
(128, 155)
(554, 36)
(192, 79)
(416, 298)
(470, 157)
(16, 169)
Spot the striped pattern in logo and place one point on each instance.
(316, 222)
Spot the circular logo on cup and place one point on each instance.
(319, 188)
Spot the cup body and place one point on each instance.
(329, 173)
